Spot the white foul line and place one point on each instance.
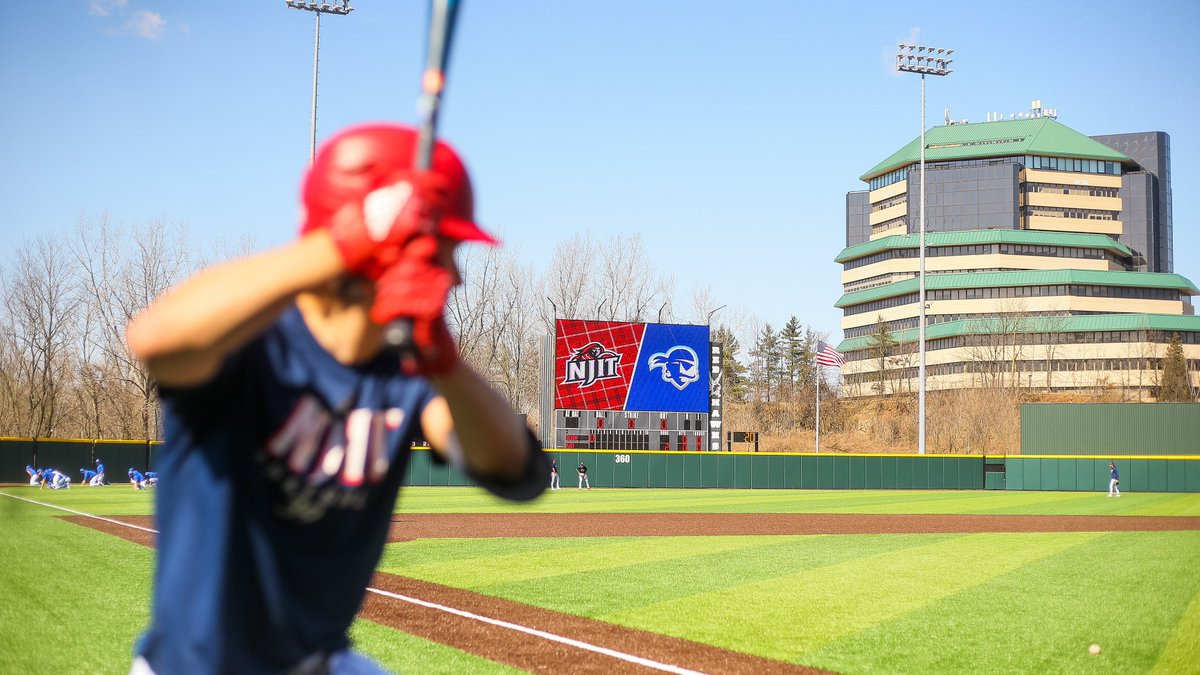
(81, 513)
(543, 634)
(665, 667)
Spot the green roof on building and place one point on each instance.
(968, 237)
(1166, 323)
(1022, 278)
(1038, 136)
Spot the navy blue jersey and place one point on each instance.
(284, 471)
(1115, 475)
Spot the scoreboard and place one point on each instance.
(631, 386)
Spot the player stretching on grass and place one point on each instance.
(288, 424)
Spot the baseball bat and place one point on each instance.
(442, 18)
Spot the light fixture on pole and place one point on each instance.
(924, 61)
(709, 322)
(339, 7)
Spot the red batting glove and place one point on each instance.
(370, 235)
(416, 286)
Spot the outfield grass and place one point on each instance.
(1011, 602)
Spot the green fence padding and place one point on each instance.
(937, 474)
(1176, 481)
(888, 473)
(14, 457)
(676, 468)
(857, 467)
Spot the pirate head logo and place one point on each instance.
(591, 363)
(679, 364)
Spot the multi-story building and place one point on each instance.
(1048, 262)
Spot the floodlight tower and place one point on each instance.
(338, 7)
(923, 60)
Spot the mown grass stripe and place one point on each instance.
(1182, 651)
(485, 571)
(793, 615)
(640, 582)
(1042, 616)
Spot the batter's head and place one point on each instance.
(362, 159)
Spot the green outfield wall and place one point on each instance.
(737, 470)
(1110, 428)
(731, 470)
(70, 455)
(1163, 473)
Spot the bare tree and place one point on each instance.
(123, 272)
(997, 345)
(570, 283)
(1054, 331)
(40, 303)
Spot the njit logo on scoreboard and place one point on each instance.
(591, 363)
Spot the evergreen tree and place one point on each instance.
(1176, 385)
(766, 355)
(808, 356)
(734, 381)
(791, 346)
(880, 348)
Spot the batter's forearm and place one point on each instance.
(493, 439)
(184, 335)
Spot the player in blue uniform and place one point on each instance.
(1114, 480)
(35, 476)
(88, 476)
(55, 479)
(137, 479)
(292, 423)
(151, 478)
(99, 479)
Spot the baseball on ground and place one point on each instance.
(1094, 649)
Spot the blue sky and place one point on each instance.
(725, 133)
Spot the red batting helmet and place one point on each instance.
(357, 161)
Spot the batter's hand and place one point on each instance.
(416, 285)
(434, 352)
(371, 235)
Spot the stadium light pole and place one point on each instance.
(922, 60)
(709, 321)
(338, 7)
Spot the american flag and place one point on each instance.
(828, 356)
